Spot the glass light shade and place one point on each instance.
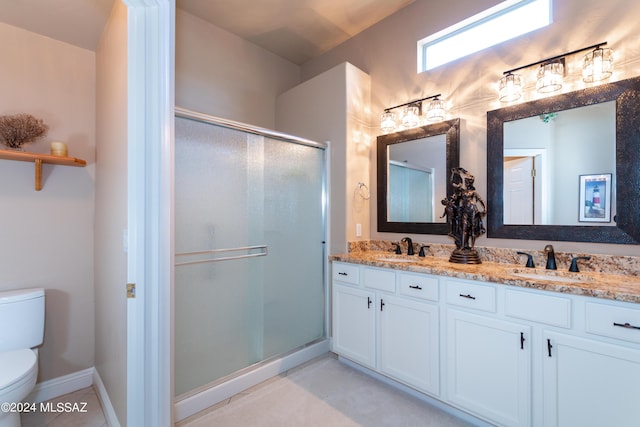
(435, 112)
(510, 88)
(410, 116)
(550, 77)
(388, 122)
(597, 65)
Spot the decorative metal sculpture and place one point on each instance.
(464, 210)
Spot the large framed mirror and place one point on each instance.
(413, 177)
(567, 167)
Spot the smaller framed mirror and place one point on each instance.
(413, 177)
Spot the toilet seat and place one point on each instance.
(16, 367)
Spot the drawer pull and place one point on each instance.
(415, 287)
(368, 302)
(522, 340)
(381, 304)
(549, 346)
(467, 296)
(626, 325)
(342, 273)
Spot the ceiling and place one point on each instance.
(296, 30)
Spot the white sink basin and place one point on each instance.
(392, 259)
(549, 277)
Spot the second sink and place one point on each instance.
(550, 276)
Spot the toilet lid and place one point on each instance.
(16, 364)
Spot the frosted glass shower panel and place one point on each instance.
(235, 191)
(293, 230)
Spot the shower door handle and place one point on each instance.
(262, 248)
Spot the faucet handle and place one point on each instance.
(397, 249)
(574, 263)
(530, 263)
(421, 253)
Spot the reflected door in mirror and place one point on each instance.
(544, 157)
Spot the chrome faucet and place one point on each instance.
(409, 245)
(551, 257)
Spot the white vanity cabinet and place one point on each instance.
(489, 367)
(488, 358)
(353, 316)
(408, 342)
(354, 324)
(376, 325)
(592, 383)
(509, 355)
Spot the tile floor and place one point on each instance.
(320, 393)
(68, 411)
(323, 393)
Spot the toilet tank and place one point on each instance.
(21, 319)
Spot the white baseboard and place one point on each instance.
(60, 386)
(75, 381)
(193, 404)
(109, 413)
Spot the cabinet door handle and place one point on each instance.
(626, 325)
(468, 296)
(368, 302)
(381, 304)
(342, 273)
(522, 340)
(415, 287)
(549, 346)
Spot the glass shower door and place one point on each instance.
(249, 231)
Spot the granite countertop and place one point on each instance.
(600, 285)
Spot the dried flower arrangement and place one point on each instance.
(20, 129)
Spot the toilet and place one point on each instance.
(21, 329)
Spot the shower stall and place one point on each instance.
(250, 223)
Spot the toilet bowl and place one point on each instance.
(18, 373)
(24, 311)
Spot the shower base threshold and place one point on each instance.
(194, 402)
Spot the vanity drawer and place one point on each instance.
(383, 280)
(346, 273)
(418, 286)
(547, 309)
(471, 295)
(614, 322)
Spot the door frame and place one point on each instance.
(150, 80)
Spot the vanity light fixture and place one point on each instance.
(510, 87)
(597, 65)
(388, 121)
(550, 76)
(412, 112)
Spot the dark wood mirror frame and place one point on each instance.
(450, 128)
(626, 93)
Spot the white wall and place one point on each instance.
(387, 52)
(47, 236)
(111, 209)
(220, 74)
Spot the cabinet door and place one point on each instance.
(589, 383)
(489, 367)
(354, 324)
(408, 342)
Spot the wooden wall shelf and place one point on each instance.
(39, 159)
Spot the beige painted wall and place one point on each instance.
(328, 108)
(387, 52)
(47, 237)
(111, 209)
(220, 74)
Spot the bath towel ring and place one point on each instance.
(364, 193)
